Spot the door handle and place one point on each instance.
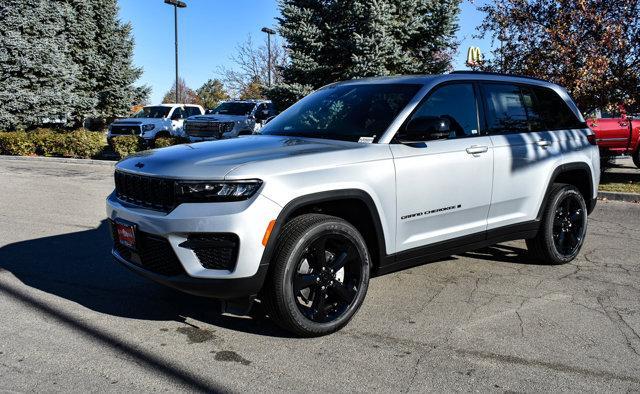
(543, 143)
(476, 149)
(622, 124)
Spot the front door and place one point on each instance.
(444, 186)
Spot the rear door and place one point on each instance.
(444, 186)
(525, 152)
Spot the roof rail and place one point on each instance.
(496, 73)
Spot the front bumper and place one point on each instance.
(247, 219)
(224, 289)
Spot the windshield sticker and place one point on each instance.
(366, 140)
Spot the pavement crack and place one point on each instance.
(630, 335)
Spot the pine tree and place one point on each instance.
(331, 40)
(63, 61)
(116, 75)
(81, 32)
(38, 79)
(211, 93)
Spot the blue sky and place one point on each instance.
(209, 32)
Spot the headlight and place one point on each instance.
(148, 127)
(216, 191)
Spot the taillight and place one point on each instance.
(592, 139)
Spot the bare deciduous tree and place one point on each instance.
(251, 64)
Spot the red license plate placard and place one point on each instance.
(126, 234)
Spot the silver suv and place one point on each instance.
(359, 179)
(229, 119)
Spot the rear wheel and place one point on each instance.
(319, 277)
(563, 227)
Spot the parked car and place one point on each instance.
(155, 121)
(230, 119)
(359, 179)
(616, 134)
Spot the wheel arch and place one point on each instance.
(353, 205)
(578, 174)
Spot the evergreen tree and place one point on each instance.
(64, 61)
(38, 79)
(81, 32)
(211, 93)
(331, 40)
(116, 75)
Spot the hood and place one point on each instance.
(218, 118)
(215, 159)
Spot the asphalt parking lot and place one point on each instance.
(73, 320)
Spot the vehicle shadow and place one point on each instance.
(78, 267)
(503, 253)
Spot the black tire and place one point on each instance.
(563, 227)
(636, 158)
(320, 302)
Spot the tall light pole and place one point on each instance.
(269, 32)
(176, 4)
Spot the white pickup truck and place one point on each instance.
(155, 121)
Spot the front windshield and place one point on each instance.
(153, 112)
(345, 112)
(231, 108)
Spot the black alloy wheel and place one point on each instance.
(563, 226)
(319, 276)
(568, 225)
(327, 278)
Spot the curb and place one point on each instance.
(618, 196)
(65, 160)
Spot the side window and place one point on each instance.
(177, 113)
(455, 102)
(554, 111)
(506, 109)
(192, 111)
(535, 119)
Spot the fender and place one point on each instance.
(591, 203)
(321, 197)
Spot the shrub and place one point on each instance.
(80, 143)
(16, 143)
(163, 142)
(83, 144)
(126, 145)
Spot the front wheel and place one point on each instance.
(319, 276)
(563, 227)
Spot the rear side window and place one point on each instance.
(554, 111)
(506, 109)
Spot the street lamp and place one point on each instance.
(269, 32)
(176, 4)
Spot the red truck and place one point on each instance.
(616, 134)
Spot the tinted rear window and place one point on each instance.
(520, 109)
(554, 111)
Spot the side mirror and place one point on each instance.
(426, 128)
